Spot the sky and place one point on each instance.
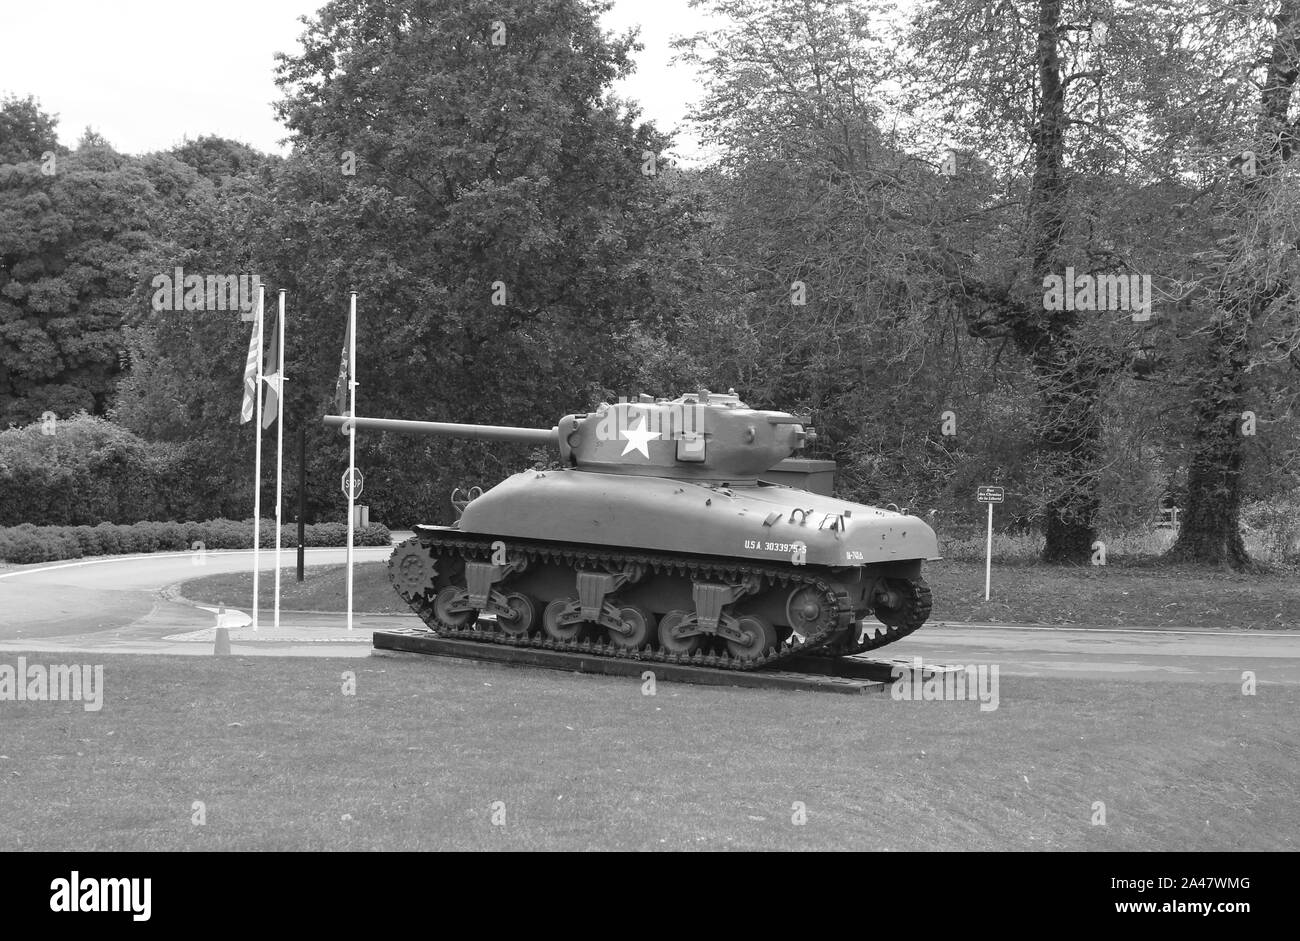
(146, 74)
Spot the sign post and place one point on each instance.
(302, 497)
(349, 485)
(989, 495)
(353, 483)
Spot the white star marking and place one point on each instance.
(637, 438)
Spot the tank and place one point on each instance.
(675, 529)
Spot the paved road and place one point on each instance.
(117, 605)
(1201, 656)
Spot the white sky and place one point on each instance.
(147, 73)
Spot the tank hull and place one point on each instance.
(763, 522)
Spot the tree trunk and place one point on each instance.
(1069, 430)
(1211, 531)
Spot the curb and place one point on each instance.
(173, 593)
(1136, 629)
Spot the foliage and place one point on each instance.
(72, 242)
(1276, 525)
(518, 257)
(26, 132)
(28, 544)
(86, 470)
(433, 172)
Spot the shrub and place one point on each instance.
(89, 470)
(221, 534)
(24, 548)
(1276, 523)
(109, 539)
(173, 537)
(327, 534)
(375, 534)
(86, 539)
(27, 543)
(141, 537)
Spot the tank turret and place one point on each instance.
(666, 533)
(700, 436)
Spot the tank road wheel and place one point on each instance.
(671, 642)
(551, 621)
(411, 569)
(807, 613)
(901, 602)
(761, 637)
(523, 615)
(640, 625)
(447, 613)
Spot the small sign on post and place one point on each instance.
(357, 481)
(989, 495)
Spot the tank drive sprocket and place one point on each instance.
(411, 569)
(902, 606)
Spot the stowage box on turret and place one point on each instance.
(666, 535)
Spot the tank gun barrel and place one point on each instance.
(534, 436)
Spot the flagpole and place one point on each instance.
(352, 438)
(279, 460)
(257, 460)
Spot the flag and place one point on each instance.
(345, 373)
(250, 370)
(271, 375)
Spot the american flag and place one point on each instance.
(341, 387)
(250, 366)
(271, 376)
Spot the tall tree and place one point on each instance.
(1253, 270)
(817, 298)
(465, 167)
(1015, 84)
(26, 132)
(72, 231)
(183, 384)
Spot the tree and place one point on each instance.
(26, 132)
(1018, 84)
(464, 167)
(71, 237)
(1253, 272)
(216, 157)
(184, 382)
(823, 293)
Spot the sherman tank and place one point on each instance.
(680, 530)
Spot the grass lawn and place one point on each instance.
(416, 758)
(324, 588)
(1115, 596)
(1110, 596)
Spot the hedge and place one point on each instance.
(84, 469)
(27, 543)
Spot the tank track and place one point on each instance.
(836, 637)
(845, 646)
